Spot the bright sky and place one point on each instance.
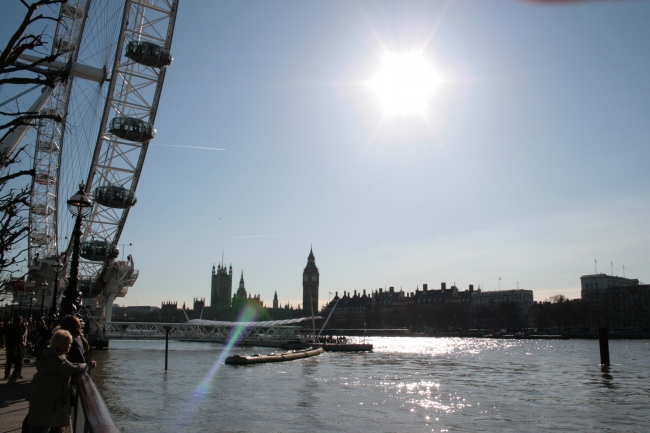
(526, 160)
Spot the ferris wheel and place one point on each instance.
(111, 75)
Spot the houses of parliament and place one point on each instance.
(224, 305)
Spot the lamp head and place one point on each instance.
(57, 266)
(80, 204)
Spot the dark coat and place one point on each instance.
(14, 336)
(76, 353)
(49, 397)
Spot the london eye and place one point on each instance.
(110, 76)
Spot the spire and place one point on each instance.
(241, 292)
(311, 258)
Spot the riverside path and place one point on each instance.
(13, 397)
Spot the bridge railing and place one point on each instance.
(186, 331)
(90, 414)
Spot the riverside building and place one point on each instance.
(615, 302)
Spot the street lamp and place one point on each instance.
(31, 299)
(79, 205)
(44, 286)
(54, 312)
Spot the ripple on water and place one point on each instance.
(405, 384)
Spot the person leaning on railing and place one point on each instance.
(73, 325)
(49, 397)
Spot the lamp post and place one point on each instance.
(31, 299)
(44, 286)
(79, 205)
(54, 311)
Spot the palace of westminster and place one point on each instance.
(615, 301)
(224, 305)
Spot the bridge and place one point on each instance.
(268, 333)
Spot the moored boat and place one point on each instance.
(273, 357)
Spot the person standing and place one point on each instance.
(14, 343)
(72, 324)
(2, 335)
(49, 398)
(40, 337)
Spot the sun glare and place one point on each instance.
(404, 83)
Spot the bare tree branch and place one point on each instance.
(15, 199)
(11, 52)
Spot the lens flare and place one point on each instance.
(248, 314)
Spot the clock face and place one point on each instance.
(314, 277)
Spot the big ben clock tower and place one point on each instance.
(310, 286)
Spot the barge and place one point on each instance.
(273, 357)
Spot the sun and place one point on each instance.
(404, 83)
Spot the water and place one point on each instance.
(404, 385)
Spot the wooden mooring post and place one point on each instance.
(168, 330)
(603, 339)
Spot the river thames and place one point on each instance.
(404, 385)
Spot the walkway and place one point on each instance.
(13, 395)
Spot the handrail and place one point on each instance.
(97, 417)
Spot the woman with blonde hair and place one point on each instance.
(49, 399)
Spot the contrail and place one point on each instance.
(187, 147)
(274, 236)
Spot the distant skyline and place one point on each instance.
(527, 162)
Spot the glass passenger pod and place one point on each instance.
(41, 209)
(90, 288)
(116, 197)
(98, 251)
(71, 11)
(38, 238)
(63, 45)
(44, 178)
(132, 129)
(49, 146)
(148, 54)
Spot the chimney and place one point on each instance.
(443, 286)
(471, 288)
(391, 289)
(425, 287)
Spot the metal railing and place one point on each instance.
(186, 331)
(90, 414)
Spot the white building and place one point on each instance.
(591, 284)
(523, 298)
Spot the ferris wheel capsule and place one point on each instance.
(45, 178)
(132, 129)
(116, 197)
(98, 251)
(38, 238)
(42, 209)
(72, 11)
(89, 288)
(148, 54)
(48, 146)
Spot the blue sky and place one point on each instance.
(530, 163)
